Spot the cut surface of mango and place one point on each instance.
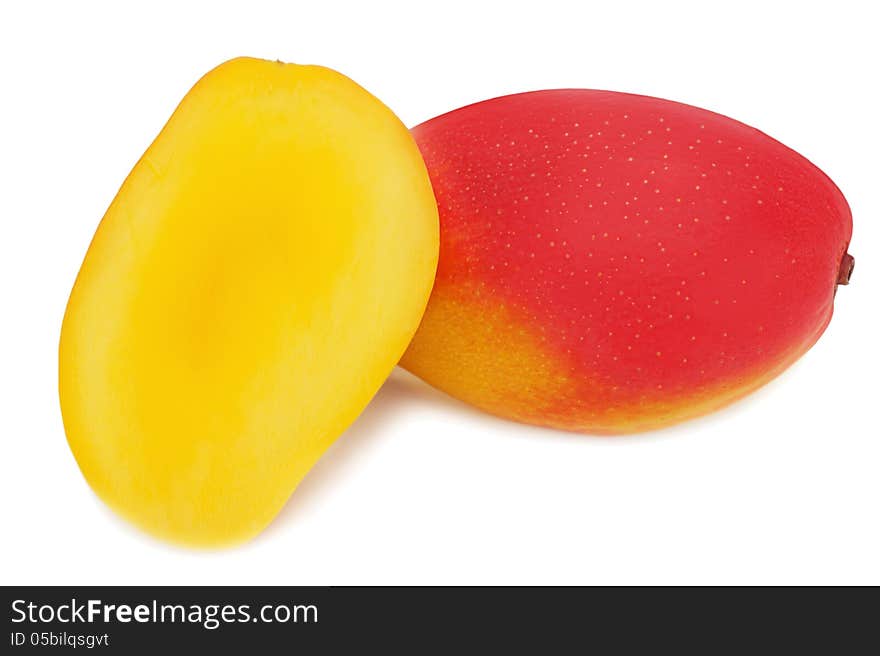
(253, 283)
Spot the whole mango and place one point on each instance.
(253, 283)
(613, 263)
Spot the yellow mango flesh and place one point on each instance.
(251, 286)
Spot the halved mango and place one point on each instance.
(253, 283)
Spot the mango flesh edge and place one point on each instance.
(253, 283)
(612, 263)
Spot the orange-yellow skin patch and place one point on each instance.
(491, 358)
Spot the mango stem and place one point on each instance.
(847, 264)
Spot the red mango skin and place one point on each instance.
(612, 263)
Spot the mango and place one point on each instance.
(612, 263)
(252, 284)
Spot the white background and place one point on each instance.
(782, 488)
